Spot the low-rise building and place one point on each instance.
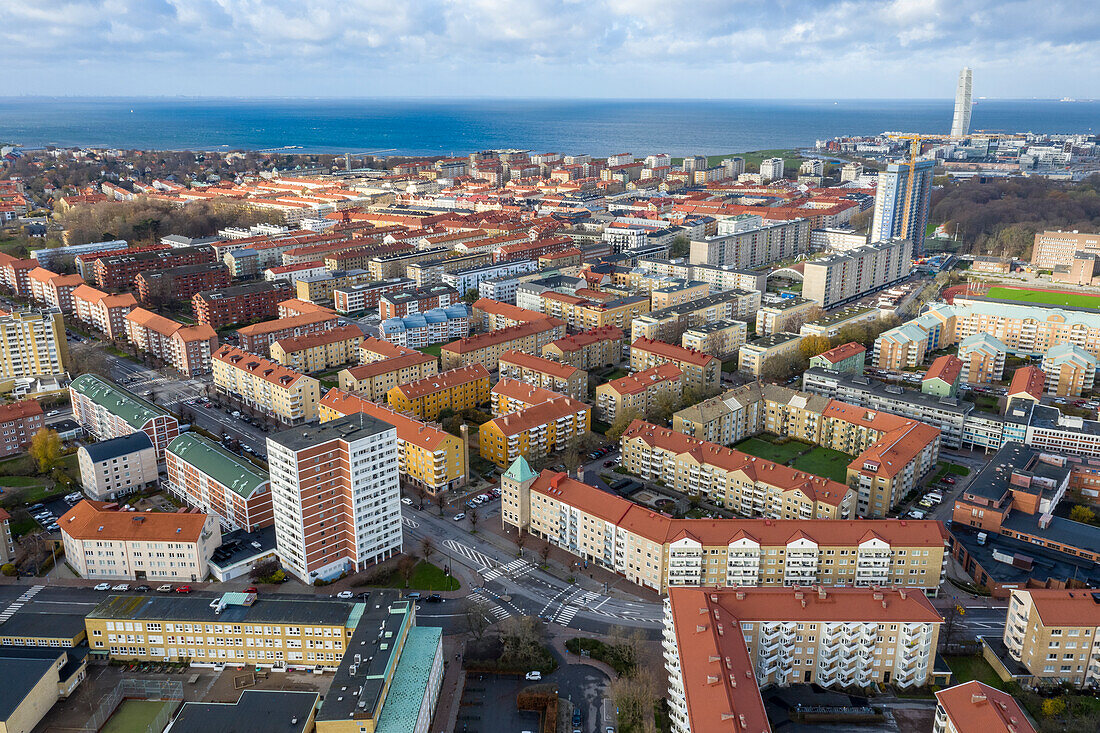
(830, 326)
(265, 386)
(535, 432)
(428, 458)
(975, 707)
(1028, 384)
(1053, 633)
(114, 468)
(983, 358)
(435, 326)
(588, 350)
(103, 542)
(35, 678)
(943, 376)
(258, 337)
(719, 338)
(847, 358)
(19, 421)
(640, 394)
(1070, 370)
(486, 348)
(204, 475)
(547, 373)
(319, 351)
(108, 411)
(456, 389)
(754, 356)
(702, 372)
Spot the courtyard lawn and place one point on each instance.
(133, 716)
(779, 453)
(426, 576)
(831, 464)
(973, 668)
(432, 350)
(1045, 297)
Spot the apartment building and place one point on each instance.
(321, 288)
(486, 348)
(365, 296)
(975, 707)
(19, 421)
(731, 479)
(356, 520)
(656, 551)
(719, 338)
(204, 475)
(667, 324)
(754, 408)
(585, 314)
(293, 307)
(942, 377)
(510, 396)
(983, 358)
(108, 411)
(116, 271)
(1054, 634)
(1070, 370)
(102, 312)
(114, 468)
(265, 386)
(1053, 249)
(319, 351)
(435, 326)
(832, 324)
(32, 343)
(259, 337)
(394, 265)
(181, 283)
(547, 373)
(847, 358)
(455, 389)
(491, 315)
(1028, 383)
(429, 273)
(534, 432)
(640, 394)
(428, 458)
(677, 293)
(471, 278)
(719, 277)
(594, 349)
(784, 315)
(187, 349)
(702, 372)
(1029, 330)
(257, 301)
(721, 646)
(104, 542)
(374, 379)
(756, 244)
(754, 356)
(836, 279)
(52, 290)
(406, 302)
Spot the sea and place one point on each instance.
(460, 126)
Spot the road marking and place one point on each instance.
(471, 554)
(410, 523)
(489, 606)
(514, 569)
(20, 602)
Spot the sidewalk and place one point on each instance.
(454, 682)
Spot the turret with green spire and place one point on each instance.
(515, 489)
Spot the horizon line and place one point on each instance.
(186, 97)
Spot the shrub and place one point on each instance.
(9, 570)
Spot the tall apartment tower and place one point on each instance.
(902, 202)
(960, 123)
(334, 489)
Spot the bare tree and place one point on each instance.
(521, 540)
(635, 696)
(427, 548)
(406, 566)
(440, 501)
(473, 517)
(89, 358)
(476, 623)
(544, 553)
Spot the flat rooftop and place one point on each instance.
(257, 711)
(154, 607)
(349, 428)
(996, 554)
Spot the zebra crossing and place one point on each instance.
(489, 606)
(514, 569)
(20, 602)
(471, 554)
(573, 604)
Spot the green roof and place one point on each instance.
(116, 400)
(233, 472)
(401, 710)
(519, 471)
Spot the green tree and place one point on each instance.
(1082, 514)
(621, 423)
(45, 449)
(9, 570)
(471, 295)
(1053, 707)
(680, 247)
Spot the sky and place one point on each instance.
(549, 48)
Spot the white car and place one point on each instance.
(122, 586)
(345, 594)
(103, 586)
(533, 676)
(164, 589)
(460, 516)
(406, 500)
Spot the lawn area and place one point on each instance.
(1045, 297)
(426, 576)
(770, 451)
(973, 668)
(730, 365)
(825, 462)
(133, 716)
(21, 481)
(617, 374)
(433, 350)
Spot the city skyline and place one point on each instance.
(548, 50)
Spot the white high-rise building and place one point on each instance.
(960, 123)
(335, 494)
(771, 169)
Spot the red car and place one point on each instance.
(251, 589)
(183, 589)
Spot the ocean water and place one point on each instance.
(442, 127)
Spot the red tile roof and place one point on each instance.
(975, 707)
(321, 338)
(19, 410)
(1029, 380)
(99, 520)
(838, 354)
(502, 336)
(536, 363)
(1066, 607)
(640, 381)
(540, 414)
(946, 368)
(579, 341)
(443, 380)
(409, 429)
(673, 353)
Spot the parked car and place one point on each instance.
(103, 586)
(164, 589)
(435, 598)
(345, 594)
(415, 595)
(142, 588)
(183, 589)
(122, 587)
(533, 676)
(251, 589)
(406, 500)
(460, 516)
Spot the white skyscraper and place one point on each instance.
(960, 123)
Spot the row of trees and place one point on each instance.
(145, 221)
(780, 368)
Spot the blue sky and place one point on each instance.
(550, 48)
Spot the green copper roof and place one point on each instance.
(520, 471)
(116, 400)
(233, 472)
(401, 710)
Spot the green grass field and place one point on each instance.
(1041, 297)
(973, 668)
(426, 576)
(133, 716)
(831, 464)
(433, 350)
(770, 451)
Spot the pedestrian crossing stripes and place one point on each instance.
(20, 602)
(565, 615)
(471, 554)
(514, 569)
(488, 606)
(410, 523)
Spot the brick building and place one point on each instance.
(239, 303)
